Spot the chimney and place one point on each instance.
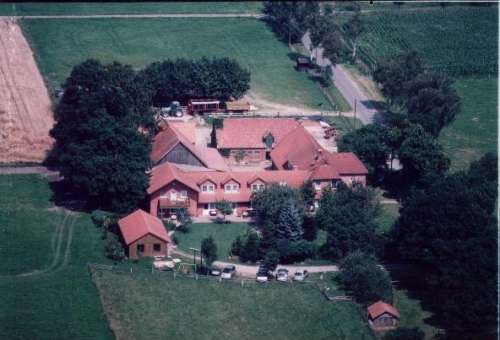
(295, 167)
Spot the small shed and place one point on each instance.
(303, 64)
(144, 235)
(382, 316)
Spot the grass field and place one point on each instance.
(61, 44)
(389, 215)
(459, 40)
(185, 7)
(223, 234)
(475, 129)
(52, 296)
(159, 307)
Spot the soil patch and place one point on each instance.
(25, 106)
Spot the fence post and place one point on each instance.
(130, 270)
(220, 279)
(196, 277)
(242, 282)
(175, 274)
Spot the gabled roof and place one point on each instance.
(228, 178)
(171, 136)
(380, 307)
(139, 224)
(324, 171)
(165, 173)
(346, 163)
(250, 132)
(255, 177)
(206, 177)
(188, 129)
(297, 148)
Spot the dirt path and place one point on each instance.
(251, 271)
(25, 106)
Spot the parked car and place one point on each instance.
(215, 271)
(282, 275)
(228, 272)
(300, 275)
(262, 274)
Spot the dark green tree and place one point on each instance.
(422, 158)
(98, 148)
(225, 207)
(392, 73)
(405, 333)
(348, 217)
(308, 193)
(209, 250)
(451, 232)
(292, 252)
(361, 275)
(355, 26)
(432, 101)
(114, 248)
(272, 260)
(289, 224)
(369, 144)
(251, 248)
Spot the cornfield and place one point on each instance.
(459, 41)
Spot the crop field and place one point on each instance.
(46, 290)
(158, 307)
(60, 44)
(475, 129)
(88, 8)
(460, 41)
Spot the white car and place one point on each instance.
(300, 275)
(282, 275)
(228, 272)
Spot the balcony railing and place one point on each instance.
(167, 203)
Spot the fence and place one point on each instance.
(172, 274)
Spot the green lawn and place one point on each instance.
(389, 215)
(185, 7)
(223, 234)
(61, 44)
(158, 307)
(475, 129)
(55, 298)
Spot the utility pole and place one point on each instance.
(355, 114)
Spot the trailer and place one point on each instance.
(201, 106)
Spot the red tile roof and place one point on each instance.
(250, 132)
(298, 148)
(212, 158)
(139, 224)
(188, 129)
(346, 163)
(380, 307)
(165, 173)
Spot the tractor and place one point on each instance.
(175, 109)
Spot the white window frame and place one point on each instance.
(317, 185)
(208, 188)
(184, 194)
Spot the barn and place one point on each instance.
(382, 316)
(144, 235)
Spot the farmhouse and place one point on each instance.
(144, 235)
(382, 316)
(250, 140)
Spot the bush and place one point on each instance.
(114, 248)
(98, 216)
(175, 239)
(237, 246)
(292, 252)
(183, 228)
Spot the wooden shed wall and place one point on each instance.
(148, 241)
(181, 155)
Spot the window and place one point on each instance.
(209, 206)
(156, 247)
(256, 187)
(231, 188)
(207, 188)
(184, 194)
(140, 248)
(317, 185)
(163, 193)
(257, 152)
(334, 184)
(283, 184)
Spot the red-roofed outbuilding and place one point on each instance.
(144, 235)
(382, 316)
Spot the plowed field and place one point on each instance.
(25, 107)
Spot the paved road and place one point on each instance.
(351, 92)
(139, 16)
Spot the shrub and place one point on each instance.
(292, 252)
(98, 216)
(183, 228)
(114, 248)
(175, 239)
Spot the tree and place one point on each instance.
(355, 26)
(225, 207)
(268, 202)
(405, 333)
(348, 217)
(251, 249)
(308, 193)
(99, 149)
(272, 260)
(432, 101)
(422, 158)
(114, 248)
(209, 250)
(451, 232)
(289, 224)
(292, 252)
(368, 143)
(392, 73)
(361, 275)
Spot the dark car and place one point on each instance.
(262, 274)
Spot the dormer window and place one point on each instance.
(257, 187)
(207, 188)
(231, 188)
